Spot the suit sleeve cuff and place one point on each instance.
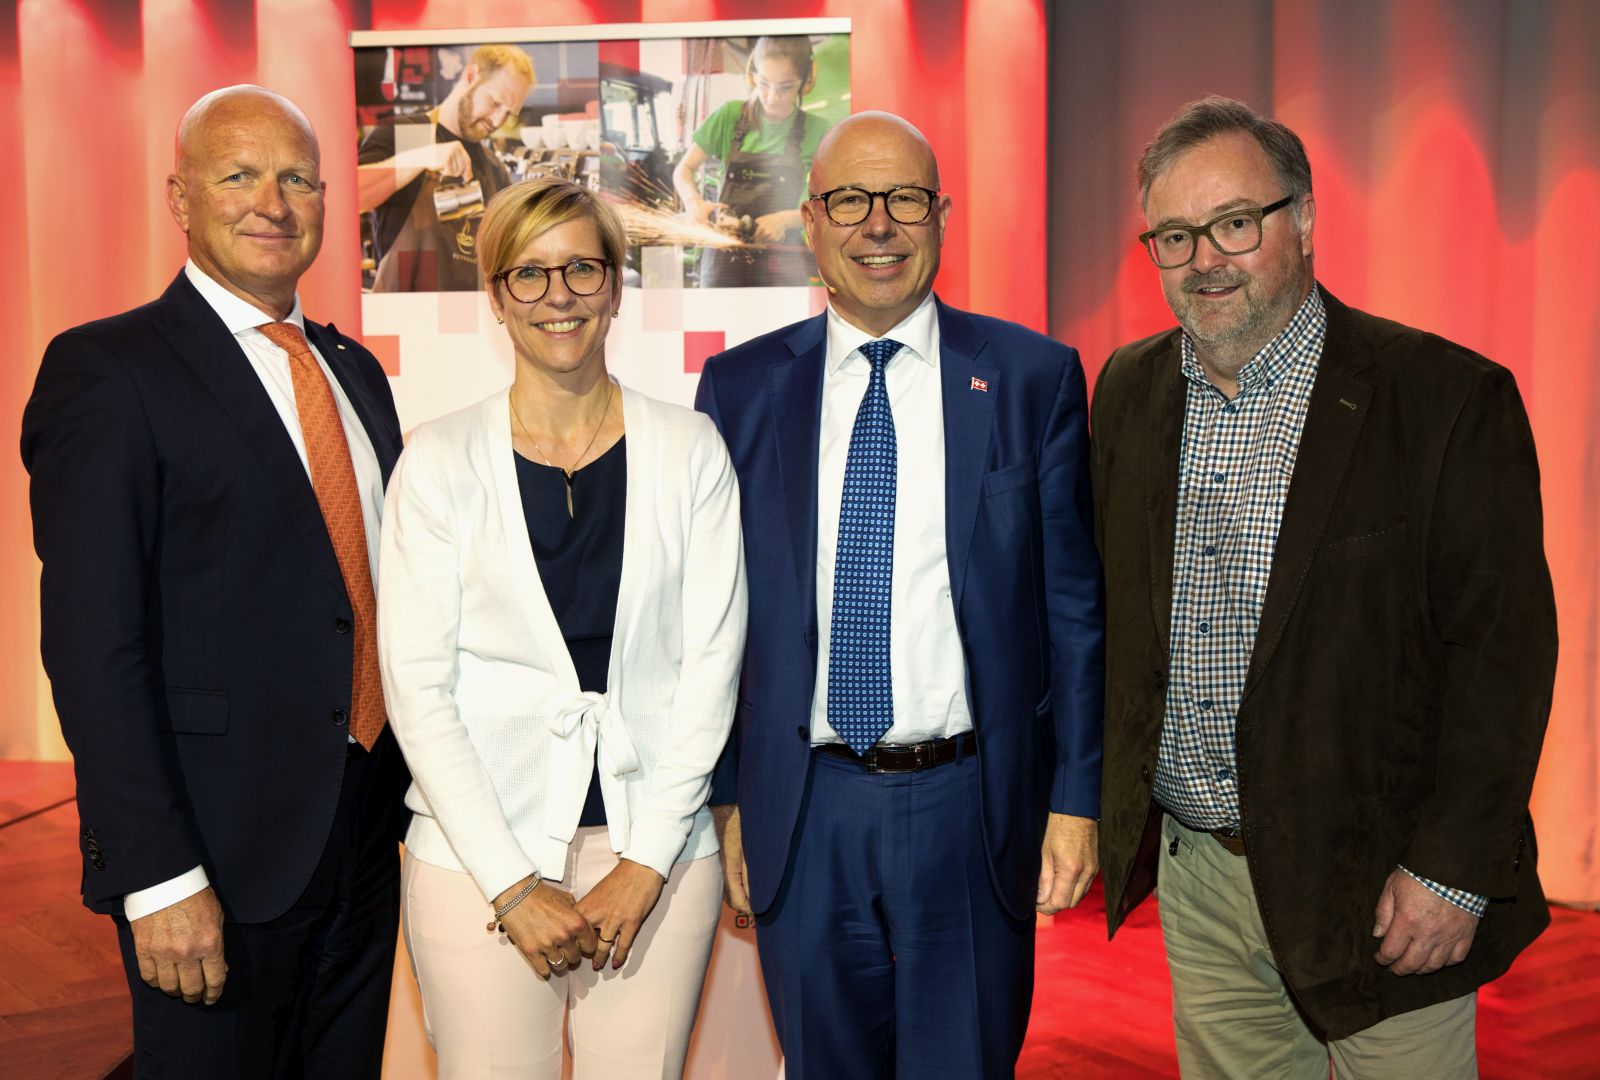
(1076, 792)
(138, 904)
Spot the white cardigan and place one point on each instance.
(480, 687)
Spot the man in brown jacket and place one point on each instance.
(1330, 639)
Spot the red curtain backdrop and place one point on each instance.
(1455, 149)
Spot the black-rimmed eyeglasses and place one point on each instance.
(1238, 232)
(906, 204)
(528, 284)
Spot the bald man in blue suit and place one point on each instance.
(915, 768)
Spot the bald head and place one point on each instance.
(232, 105)
(878, 270)
(248, 191)
(876, 128)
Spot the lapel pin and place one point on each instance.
(980, 384)
(339, 347)
(1348, 404)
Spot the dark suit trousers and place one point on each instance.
(307, 993)
(886, 952)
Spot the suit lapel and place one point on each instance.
(968, 422)
(1163, 438)
(326, 340)
(1334, 419)
(794, 386)
(201, 339)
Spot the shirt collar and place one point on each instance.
(915, 332)
(236, 313)
(1293, 344)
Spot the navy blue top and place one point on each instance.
(580, 565)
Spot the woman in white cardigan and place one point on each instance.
(561, 614)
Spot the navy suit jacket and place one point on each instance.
(194, 622)
(1024, 578)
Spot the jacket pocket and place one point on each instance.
(1012, 476)
(197, 712)
(1367, 543)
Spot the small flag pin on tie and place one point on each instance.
(980, 384)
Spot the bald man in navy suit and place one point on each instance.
(917, 752)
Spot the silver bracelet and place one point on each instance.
(505, 909)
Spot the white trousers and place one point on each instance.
(489, 1016)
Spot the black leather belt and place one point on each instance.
(907, 759)
(1231, 839)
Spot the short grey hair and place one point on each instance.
(1209, 117)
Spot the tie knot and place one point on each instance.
(286, 336)
(878, 353)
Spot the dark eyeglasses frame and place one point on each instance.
(933, 197)
(1199, 231)
(549, 276)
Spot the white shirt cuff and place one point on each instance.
(136, 905)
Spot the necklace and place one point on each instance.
(611, 390)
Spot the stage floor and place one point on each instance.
(1101, 1011)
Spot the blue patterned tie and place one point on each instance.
(860, 695)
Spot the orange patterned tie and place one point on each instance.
(333, 478)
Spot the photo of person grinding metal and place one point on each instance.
(765, 144)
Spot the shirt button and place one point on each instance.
(339, 718)
(1223, 774)
(1217, 478)
(1230, 407)
(1209, 549)
(1205, 704)
(1204, 627)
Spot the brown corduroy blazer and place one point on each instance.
(1402, 673)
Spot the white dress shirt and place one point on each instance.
(927, 668)
(271, 365)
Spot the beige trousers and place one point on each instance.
(489, 1016)
(1232, 1013)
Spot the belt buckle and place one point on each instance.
(921, 755)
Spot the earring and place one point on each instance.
(499, 320)
(615, 313)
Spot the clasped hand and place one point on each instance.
(555, 931)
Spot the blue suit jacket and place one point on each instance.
(194, 622)
(1024, 577)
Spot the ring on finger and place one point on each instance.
(560, 961)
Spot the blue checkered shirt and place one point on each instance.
(1234, 466)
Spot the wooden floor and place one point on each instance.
(1101, 1011)
(63, 1000)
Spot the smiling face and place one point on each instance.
(1233, 305)
(562, 333)
(248, 194)
(880, 270)
(488, 100)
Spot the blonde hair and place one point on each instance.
(522, 211)
(491, 58)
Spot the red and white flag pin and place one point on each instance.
(980, 384)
